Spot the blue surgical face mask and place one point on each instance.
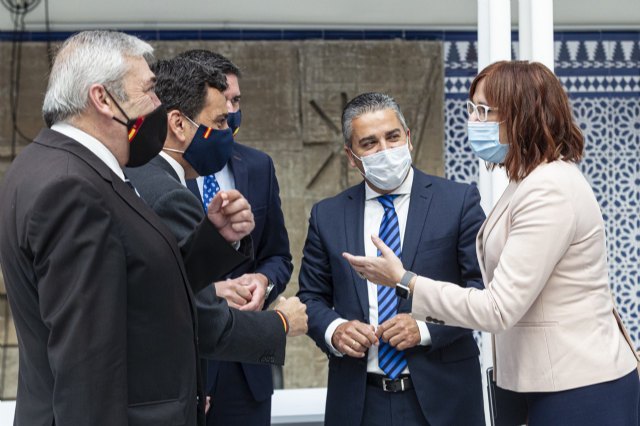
(210, 149)
(233, 120)
(484, 137)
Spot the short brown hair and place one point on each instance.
(535, 110)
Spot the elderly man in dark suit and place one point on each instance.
(197, 130)
(242, 392)
(97, 284)
(385, 368)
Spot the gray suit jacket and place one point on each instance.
(255, 337)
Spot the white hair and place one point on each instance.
(87, 58)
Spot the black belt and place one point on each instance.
(400, 384)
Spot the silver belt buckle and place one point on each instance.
(386, 381)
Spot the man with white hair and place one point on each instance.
(100, 294)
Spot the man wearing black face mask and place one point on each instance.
(101, 297)
(198, 137)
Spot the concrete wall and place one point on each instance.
(281, 82)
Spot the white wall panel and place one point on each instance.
(215, 14)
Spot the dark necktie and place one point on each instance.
(390, 360)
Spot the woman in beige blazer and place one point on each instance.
(542, 253)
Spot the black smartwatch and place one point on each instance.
(402, 288)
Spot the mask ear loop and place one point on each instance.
(361, 162)
(177, 150)
(187, 117)
(119, 107)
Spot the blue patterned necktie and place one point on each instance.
(210, 188)
(390, 360)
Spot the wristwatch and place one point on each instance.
(402, 288)
(270, 287)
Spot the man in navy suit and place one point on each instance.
(385, 368)
(241, 393)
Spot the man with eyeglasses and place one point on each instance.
(386, 368)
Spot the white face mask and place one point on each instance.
(387, 169)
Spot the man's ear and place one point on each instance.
(349, 155)
(101, 101)
(409, 140)
(177, 123)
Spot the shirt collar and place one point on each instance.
(405, 188)
(176, 167)
(92, 144)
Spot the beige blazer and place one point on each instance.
(542, 252)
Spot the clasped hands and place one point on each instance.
(354, 338)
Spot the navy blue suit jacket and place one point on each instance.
(439, 242)
(255, 178)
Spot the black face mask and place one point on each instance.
(147, 134)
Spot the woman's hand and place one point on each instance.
(385, 269)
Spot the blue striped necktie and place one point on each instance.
(210, 188)
(390, 360)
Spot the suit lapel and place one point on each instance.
(491, 221)
(57, 140)
(354, 228)
(240, 174)
(497, 211)
(421, 195)
(164, 165)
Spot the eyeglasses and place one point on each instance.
(481, 111)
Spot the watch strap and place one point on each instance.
(407, 277)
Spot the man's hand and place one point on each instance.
(385, 269)
(296, 313)
(259, 282)
(353, 338)
(401, 332)
(234, 292)
(231, 214)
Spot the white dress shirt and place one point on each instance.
(224, 177)
(175, 166)
(373, 212)
(92, 144)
